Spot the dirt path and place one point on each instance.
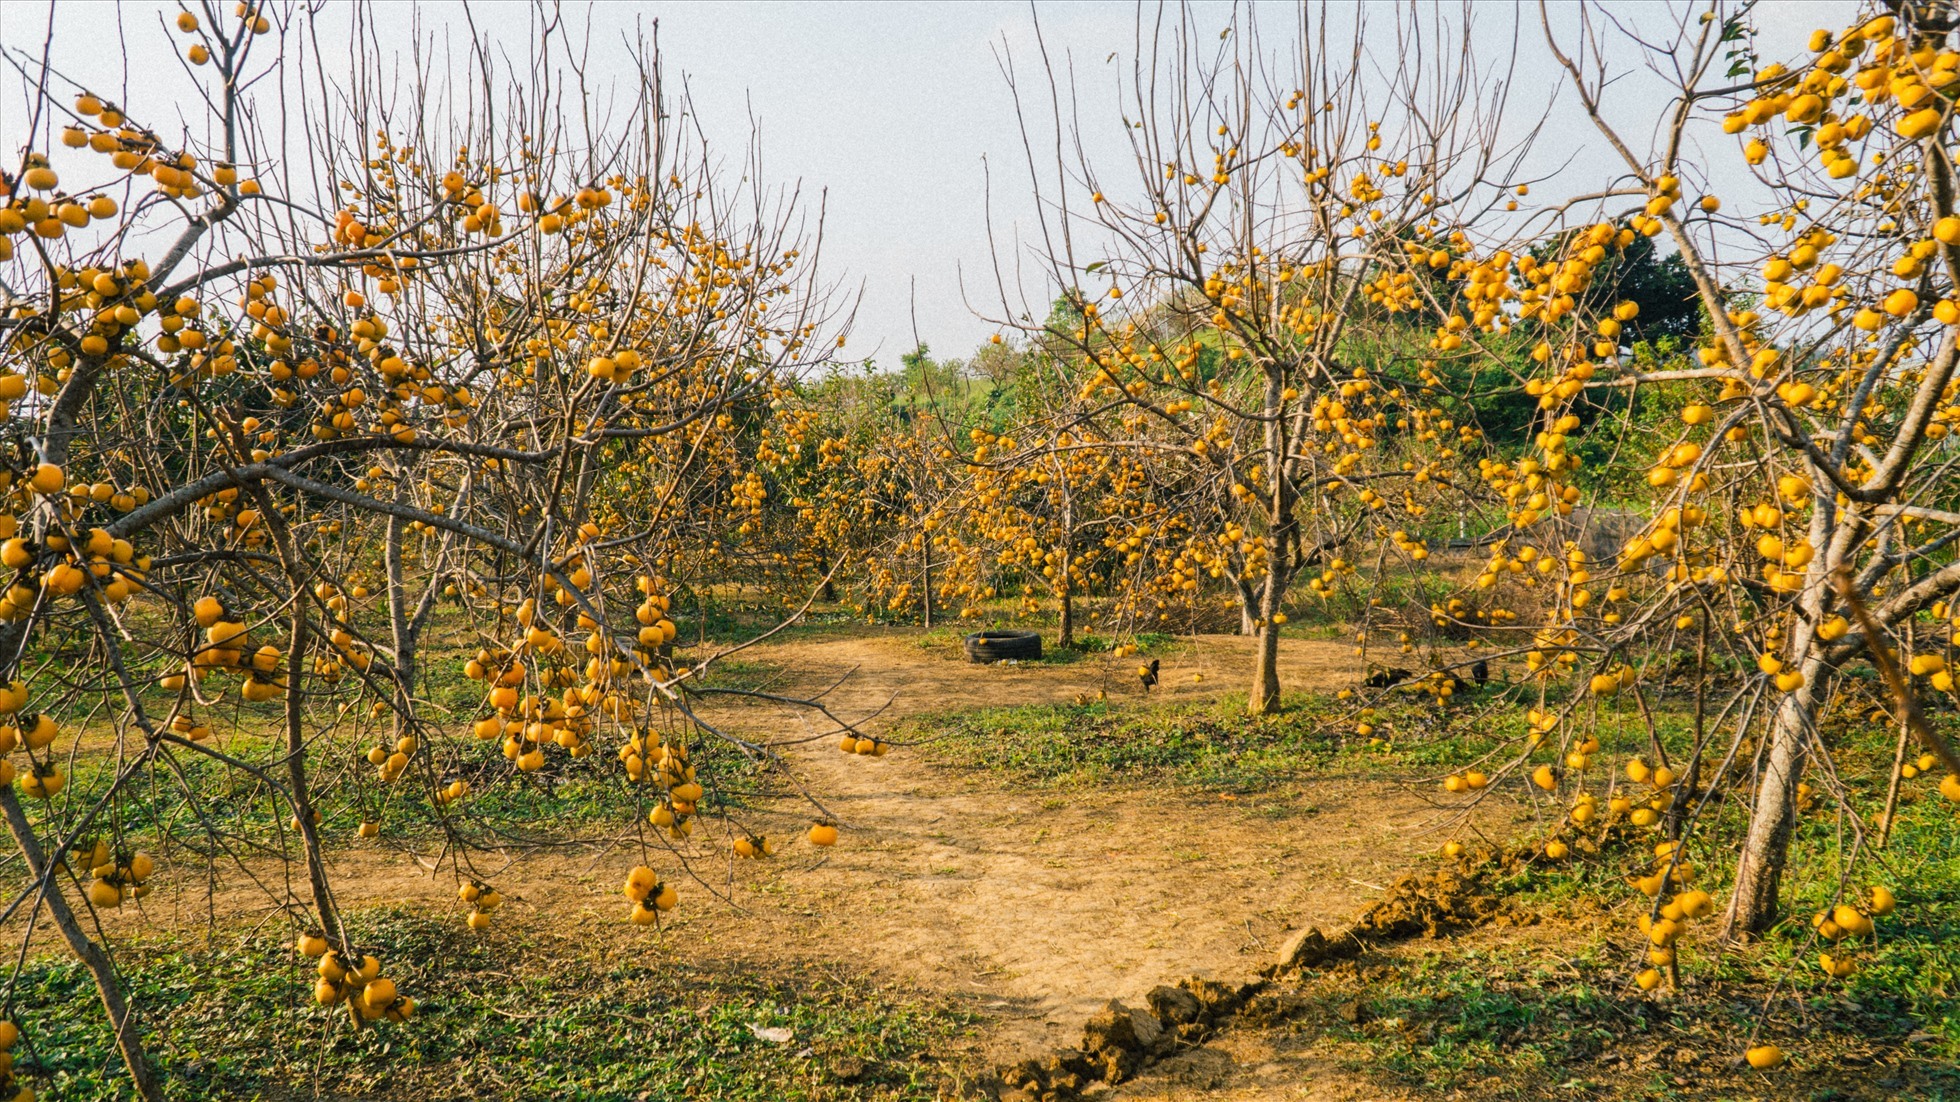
(1044, 905)
(1032, 907)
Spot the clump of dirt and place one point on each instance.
(1431, 904)
(1119, 1041)
(1434, 903)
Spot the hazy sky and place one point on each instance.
(888, 110)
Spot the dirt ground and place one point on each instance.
(1044, 906)
(1033, 908)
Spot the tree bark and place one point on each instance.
(1248, 608)
(1064, 590)
(1759, 870)
(404, 636)
(1892, 787)
(1264, 697)
(309, 832)
(925, 578)
(121, 1019)
(1773, 819)
(298, 646)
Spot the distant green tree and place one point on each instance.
(1661, 285)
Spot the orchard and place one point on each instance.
(443, 513)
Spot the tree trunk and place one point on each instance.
(925, 579)
(1264, 699)
(398, 623)
(1759, 871)
(128, 1041)
(309, 832)
(1891, 811)
(1773, 819)
(1063, 587)
(1248, 609)
(298, 646)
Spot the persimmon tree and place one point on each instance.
(1793, 470)
(866, 492)
(1796, 497)
(1214, 276)
(275, 402)
(1055, 521)
(1839, 388)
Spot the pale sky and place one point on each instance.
(888, 110)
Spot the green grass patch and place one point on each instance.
(1536, 1017)
(1209, 744)
(502, 1015)
(1525, 1021)
(1213, 743)
(186, 789)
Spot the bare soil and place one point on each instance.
(1044, 906)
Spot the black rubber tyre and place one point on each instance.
(993, 646)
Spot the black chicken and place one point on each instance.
(1148, 674)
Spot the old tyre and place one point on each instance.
(993, 646)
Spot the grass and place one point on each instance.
(1527, 1021)
(1553, 1012)
(506, 1014)
(1209, 744)
(1550, 1011)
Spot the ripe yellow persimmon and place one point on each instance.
(42, 781)
(1764, 1056)
(1882, 901)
